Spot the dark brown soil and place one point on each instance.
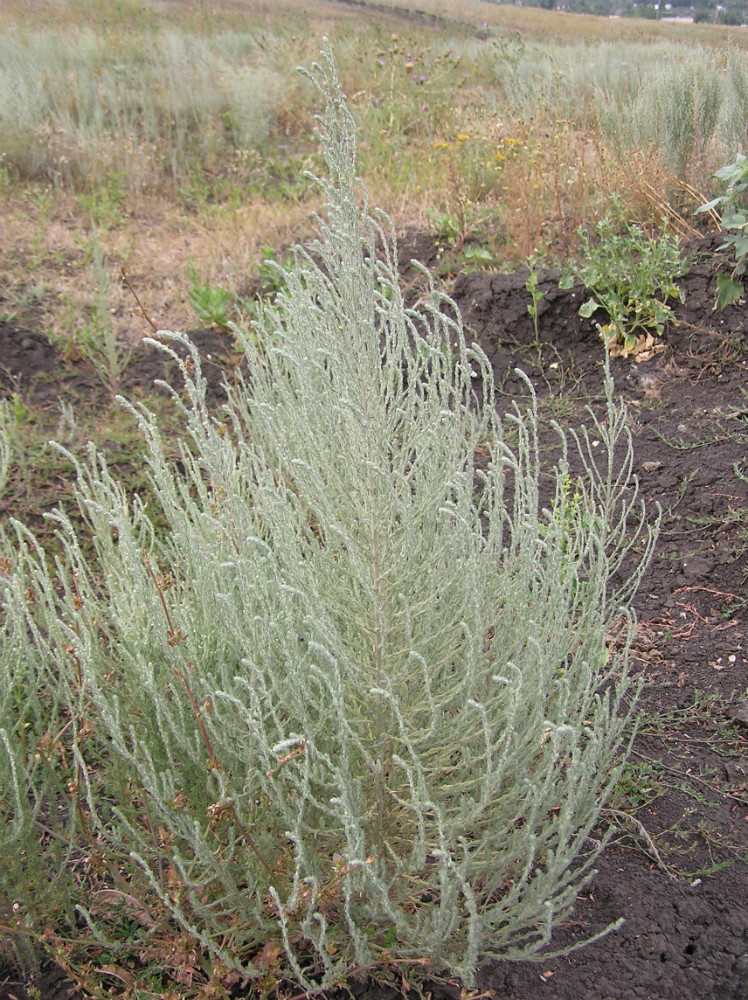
(676, 871)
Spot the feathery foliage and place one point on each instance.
(350, 688)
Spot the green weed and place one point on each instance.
(475, 257)
(733, 207)
(473, 172)
(461, 248)
(641, 784)
(632, 277)
(536, 296)
(210, 302)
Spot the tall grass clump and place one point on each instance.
(77, 107)
(680, 108)
(344, 689)
(692, 107)
(734, 116)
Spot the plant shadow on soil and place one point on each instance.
(676, 869)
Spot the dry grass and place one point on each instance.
(48, 271)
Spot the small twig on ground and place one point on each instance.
(710, 590)
(642, 831)
(126, 279)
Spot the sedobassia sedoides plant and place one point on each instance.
(346, 695)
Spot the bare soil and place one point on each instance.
(676, 870)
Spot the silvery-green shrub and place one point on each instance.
(347, 684)
(35, 846)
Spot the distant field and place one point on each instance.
(180, 133)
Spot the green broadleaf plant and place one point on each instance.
(632, 277)
(350, 688)
(735, 220)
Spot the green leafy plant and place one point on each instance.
(536, 296)
(271, 273)
(446, 227)
(464, 251)
(632, 277)
(476, 257)
(211, 303)
(734, 218)
(472, 172)
(343, 692)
